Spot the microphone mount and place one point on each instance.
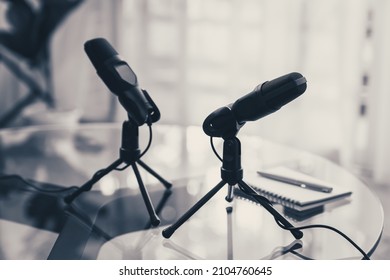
(130, 155)
(232, 175)
(222, 123)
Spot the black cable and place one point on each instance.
(365, 255)
(314, 226)
(97, 173)
(7, 177)
(214, 150)
(150, 141)
(300, 255)
(121, 168)
(144, 152)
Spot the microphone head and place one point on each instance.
(284, 89)
(121, 81)
(265, 99)
(269, 97)
(99, 50)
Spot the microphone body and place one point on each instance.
(121, 80)
(265, 99)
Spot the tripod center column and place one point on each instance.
(129, 151)
(231, 171)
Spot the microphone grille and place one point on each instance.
(284, 89)
(99, 50)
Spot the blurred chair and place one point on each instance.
(28, 42)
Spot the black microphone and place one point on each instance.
(122, 81)
(265, 99)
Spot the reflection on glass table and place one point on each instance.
(111, 221)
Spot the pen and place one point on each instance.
(298, 183)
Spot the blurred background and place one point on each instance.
(195, 56)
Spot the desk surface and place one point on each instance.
(111, 220)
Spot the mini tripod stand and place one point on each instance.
(130, 155)
(231, 174)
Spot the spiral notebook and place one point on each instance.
(295, 197)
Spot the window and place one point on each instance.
(196, 56)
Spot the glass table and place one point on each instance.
(41, 165)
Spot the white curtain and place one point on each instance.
(378, 152)
(196, 56)
(76, 82)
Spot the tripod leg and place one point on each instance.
(250, 191)
(88, 185)
(152, 213)
(161, 204)
(229, 211)
(170, 230)
(157, 176)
